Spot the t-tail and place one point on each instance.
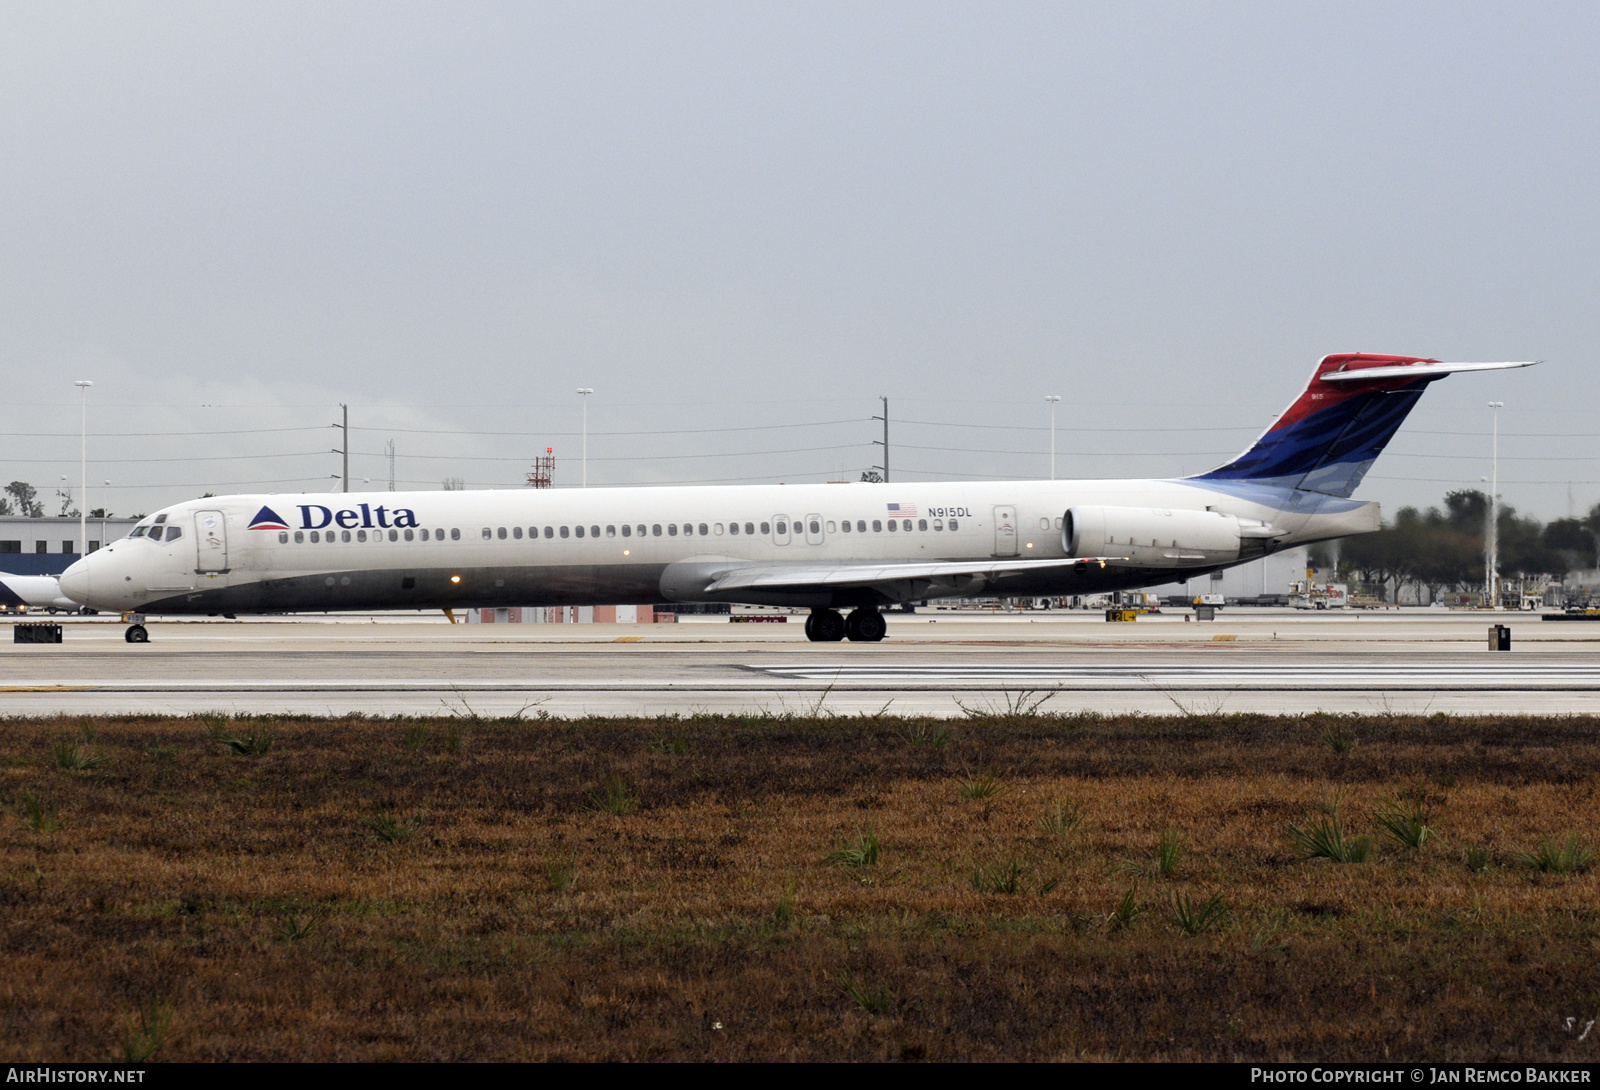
(1332, 433)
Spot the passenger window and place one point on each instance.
(688, 529)
(702, 529)
(656, 530)
(627, 531)
(594, 531)
(922, 524)
(611, 531)
(315, 537)
(938, 524)
(578, 530)
(766, 527)
(672, 529)
(717, 528)
(845, 526)
(815, 527)
(408, 535)
(783, 528)
(455, 533)
(283, 537)
(424, 535)
(641, 530)
(952, 524)
(893, 526)
(361, 535)
(1044, 524)
(549, 531)
(500, 533)
(299, 537)
(564, 531)
(861, 526)
(487, 533)
(394, 535)
(877, 527)
(516, 532)
(344, 535)
(830, 527)
(905, 524)
(1058, 524)
(733, 528)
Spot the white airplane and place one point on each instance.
(828, 547)
(20, 593)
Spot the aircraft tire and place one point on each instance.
(811, 628)
(826, 626)
(865, 626)
(137, 634)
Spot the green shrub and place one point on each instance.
(862, 852)
(1552, 858)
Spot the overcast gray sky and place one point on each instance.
(762, 217)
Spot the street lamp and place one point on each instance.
(83, 384)
(1492, 534)
(1052, 398)
(584, 392)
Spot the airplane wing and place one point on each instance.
(837, 575)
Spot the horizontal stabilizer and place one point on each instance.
(847, 575)
(1418, 370)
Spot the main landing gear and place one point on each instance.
(862, 626)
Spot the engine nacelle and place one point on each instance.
(1153, 537)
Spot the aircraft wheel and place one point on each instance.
(136, 634)
(811, 628)
(826, 626)
(865, 626)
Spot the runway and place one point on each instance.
(946, 664)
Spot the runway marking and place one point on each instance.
(1322, 675)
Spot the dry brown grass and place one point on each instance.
(259, 907)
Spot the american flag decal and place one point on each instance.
(903, 509)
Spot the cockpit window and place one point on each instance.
(174, 533)
(161, 518)
(155, 534)
(139, 531)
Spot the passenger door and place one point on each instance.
(1005, 531)
(210, 541)
(780, 529)
(813, 529)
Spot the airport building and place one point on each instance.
(1267, 577)
(47, 545)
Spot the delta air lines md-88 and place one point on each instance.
(831, 548)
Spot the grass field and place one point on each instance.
(1007, 886)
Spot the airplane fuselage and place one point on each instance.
(431, 550)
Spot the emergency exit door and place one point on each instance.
(1005, 531)
(210, 541)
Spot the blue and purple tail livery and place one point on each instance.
(1327, 440)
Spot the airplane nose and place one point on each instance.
(74, 582)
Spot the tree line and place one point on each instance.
(1440, 551)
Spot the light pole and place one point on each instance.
(584, 392)
(1052, 398)
(1492, 533)
(83, 384)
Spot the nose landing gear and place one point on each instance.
(136, 632)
